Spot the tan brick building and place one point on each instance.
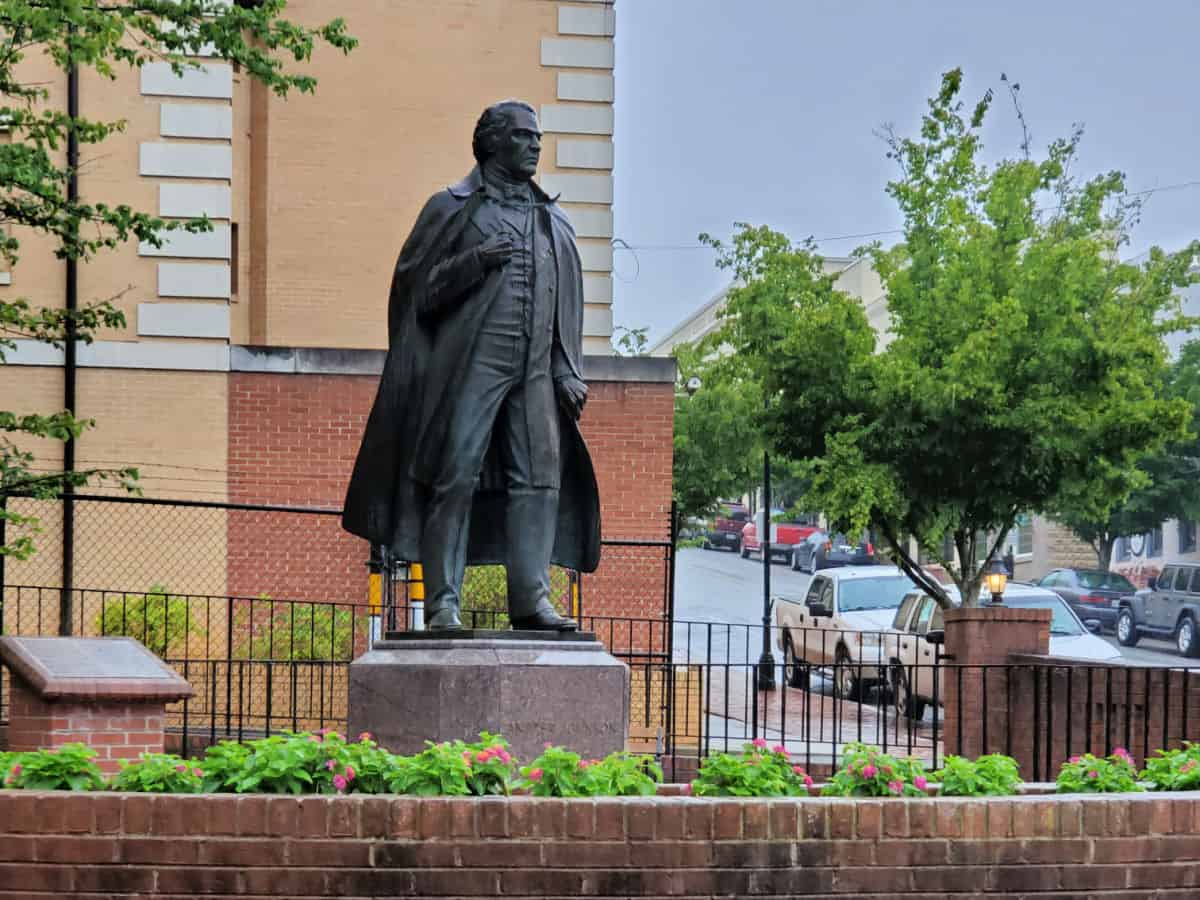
(251, 353)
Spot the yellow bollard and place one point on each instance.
(416, 582)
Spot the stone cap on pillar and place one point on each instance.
(990, 634)
(78, 668)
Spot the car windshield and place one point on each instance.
(1062, 621)
(1105, 581)
(884, 592)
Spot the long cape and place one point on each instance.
(422, 378)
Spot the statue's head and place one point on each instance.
(508, 134)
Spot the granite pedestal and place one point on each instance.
(531, 687)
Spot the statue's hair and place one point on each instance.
(491, 125)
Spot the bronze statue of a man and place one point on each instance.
(472, 453)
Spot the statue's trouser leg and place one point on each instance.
(531, 520)
(448, 516)
(444, 554)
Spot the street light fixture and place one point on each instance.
(996, 578)
(692, 385)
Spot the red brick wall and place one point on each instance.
(293, 439)
(1131, 847)
(115, 730)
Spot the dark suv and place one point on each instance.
(1169, 610)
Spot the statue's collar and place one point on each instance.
(474, 182)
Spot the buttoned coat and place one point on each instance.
(428, 351)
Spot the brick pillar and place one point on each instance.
(980, 683)
(108, 693)
(116, 729)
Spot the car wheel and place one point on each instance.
(1127, 633)
(796, 567)
(706, 545)
(789, 558)
(737, 546)
(1185, 638)
(797, 672)
(745, 552)
(908, 706)
(845, 676)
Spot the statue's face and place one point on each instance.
(520, 148)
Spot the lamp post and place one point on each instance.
(996, 578)
(766, 660)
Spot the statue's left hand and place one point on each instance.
(572, 395)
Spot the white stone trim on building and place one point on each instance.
(196, 120)
(596, 255)
(172, 355)
(210, 80)
(201, 280)
(590, 221)
(583, 154)
(195, 320)
(591, 87)
(214, 244)
(579, 188)
(597, 288)
(599, 21)
(186, 160)
(577, 118)
(188, 201)
(578, 53)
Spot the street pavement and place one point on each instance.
(718, 614)
(719, 586)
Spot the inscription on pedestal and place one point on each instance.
(91, 667)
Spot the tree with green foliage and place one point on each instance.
(1022, 358)
(718, 447)
(35, 195)
(1164, 485)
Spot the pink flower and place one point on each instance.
(329, 764)
(505, 756)
(16, 770)
(759, 743)
(181, 768)
(339, 782)
(887, 770)
(1122, 753)
(869, 771)
(535, 775)
(1093, 774)
(808, 781)
(324, 731)
(197, 773)
(1188, 766)
(1074, 759)
(316, 739)
(799, 770)
(365, 736)
(779, 748)
(895, 786)
(350, 773)
(483, 756)
(467, 757)
(547, 745)
(687, 789)
(583, 764)
(920, 782)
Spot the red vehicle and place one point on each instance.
(784, 536)
(726, 530)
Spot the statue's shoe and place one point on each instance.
(544, 620)
(445, 619)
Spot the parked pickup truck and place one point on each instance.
(726, 530)
(784, 536)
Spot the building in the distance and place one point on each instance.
(251, 353)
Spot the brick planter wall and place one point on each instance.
(1130, 847)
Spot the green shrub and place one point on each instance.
(299, 632)
(993, 775)
(158, 773)
(160, 620)
(866, 772)
(66, 768)
(1174, 770)
(456, 768)
(1088, 774)
(485, 592)
(320, 763)
(560, 773)
(755, 772)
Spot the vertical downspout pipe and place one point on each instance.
(69, 365)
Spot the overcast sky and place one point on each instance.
(763, 111)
